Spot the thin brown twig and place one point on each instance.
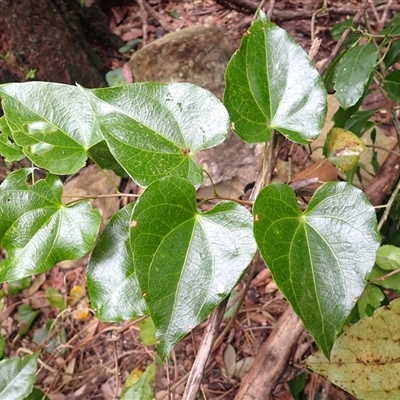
(270, 8)
(156, 16)
(389, 206)
(143, 16)
(344, 36)
(382, 21)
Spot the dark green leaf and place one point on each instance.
(358, 123)
(271, 84)
(53, 123)
(393, 55)
(25, 316)
(129, 45)
(2, 346)
(296, 386)
(37, 395)
(37, 230)
(338, 29)
(153, 130)
(392, 85)
(187, 262)
(101, 155)
(17, 377)
(320, 257)
(15, 287)
(353, 73)
(111, 278)
(370, 300)
(392, 27)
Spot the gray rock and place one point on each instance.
(197, 54)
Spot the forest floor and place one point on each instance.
(89, 359)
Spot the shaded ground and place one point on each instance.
(94, 359)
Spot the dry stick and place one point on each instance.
(156, 16)
(346, 33)
(382, 21)
(143, 16)
(389, 206)
(210, 334)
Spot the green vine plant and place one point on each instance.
(161, 256)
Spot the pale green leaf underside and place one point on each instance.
(153, 130)
(321, 258)
(365, 359)
(37, 230)
(271, 84)
(186, 262)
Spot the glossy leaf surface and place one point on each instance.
(392, 85)
(271, 84)
(53, 123)
(187, 262)
(111, 278)
(37, 230)
(320, 257)
(153, 130)
(365, 359)
(353, 73)
(17, 377)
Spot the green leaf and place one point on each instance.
(53, 123)
(297, 385)
(25, 316)
(364, 360)
(393, 54)
(187, 262)
(359, 122)
(116, 77)
(143, 388)
(17, 377)
(388, 257)
(272, 84)
(320, 257)
(15, 287)
(392, 85)
(101, 155)
(153, 129)
(353, 73)
(8, 149)
(37, 394)
(113, 287)
(147, 332)
(55, 298)
(391, 282)
(370, 300)
(2, 346)
(37, 230)
(343, 148)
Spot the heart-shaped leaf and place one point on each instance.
(272, 84)
(320, 258)
(153, 129)
(17, 377)
(365, 359)
(343, 148)
(53, 123)
(187, 262)
(37, 230)
(353, 73)
(388, 257)
(111, 278)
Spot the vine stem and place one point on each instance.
(389, 206)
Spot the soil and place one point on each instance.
(95, 358)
